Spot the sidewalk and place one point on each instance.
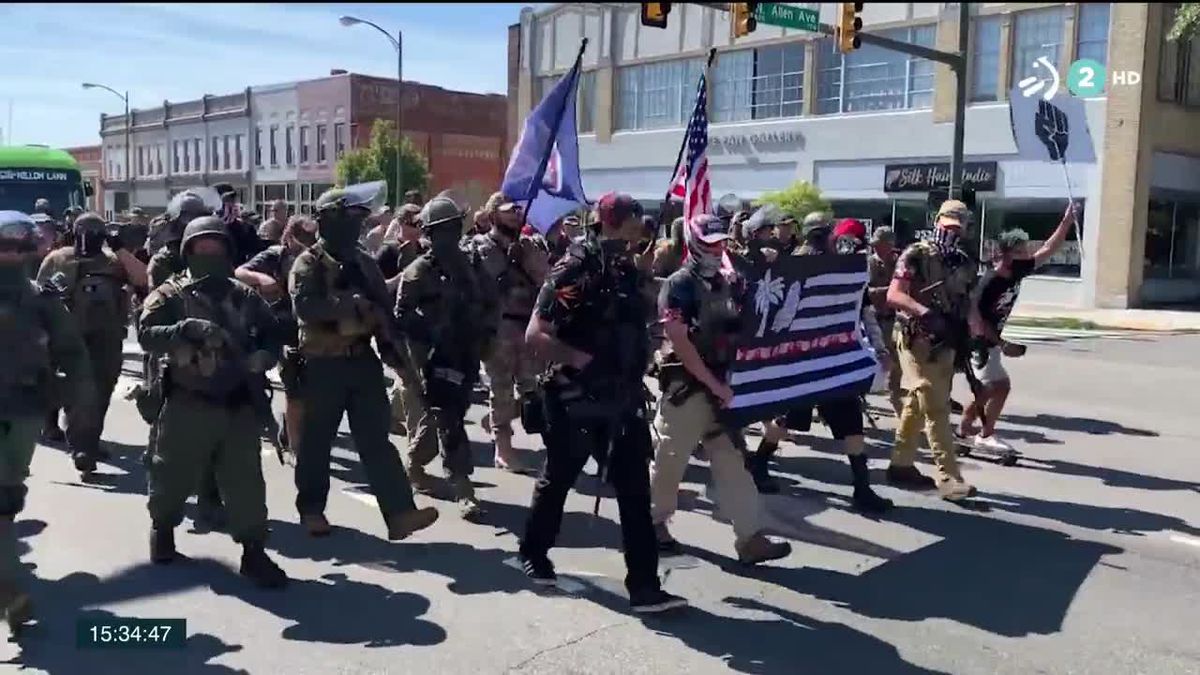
(1126, 319)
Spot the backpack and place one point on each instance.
(95, 296)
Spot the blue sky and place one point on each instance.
(183, 51)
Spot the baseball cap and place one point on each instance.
(615, 207)
(765, 216)
(850, 227)
(709, 228)
(882, 234)
(956, 211)
(815, 220)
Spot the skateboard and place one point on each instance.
(967, 449)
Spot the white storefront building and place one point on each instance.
(784, 105)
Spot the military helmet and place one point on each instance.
(370, 196)
(440, 210)
(205, 226)
(90, 222)
(42, 205)
(193, 203)
(18, 229)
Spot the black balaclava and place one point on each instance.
(89, 237)
(339, 228)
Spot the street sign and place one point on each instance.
(788, 16)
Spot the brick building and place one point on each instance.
(282, 141)
(88, 157)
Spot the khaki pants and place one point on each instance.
(926, 383)
(422, 434)
(680, 428)
(895, 391)
(510, 369)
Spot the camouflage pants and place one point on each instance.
(86, 425)
(18, 438)
(511, 370)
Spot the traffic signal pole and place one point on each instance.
(957, 63)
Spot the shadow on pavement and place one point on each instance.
(1102, 518)
(1004, 578)
(470, 570)
(1117, 477)
(1078, 424)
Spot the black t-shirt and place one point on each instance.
(595, 311)
(269, 262)
(999, 294)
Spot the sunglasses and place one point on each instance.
(510, 207)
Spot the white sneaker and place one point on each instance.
(991, 443)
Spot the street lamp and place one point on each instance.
(398, 43)
(128, 128)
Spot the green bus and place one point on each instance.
(32, 172)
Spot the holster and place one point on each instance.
(676, 383)
(533, 412)
(291, 370)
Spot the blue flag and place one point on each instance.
(545, 163)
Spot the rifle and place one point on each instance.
(622, 405)
(386, 328)
(257, 384)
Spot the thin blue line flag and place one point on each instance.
(545, 162)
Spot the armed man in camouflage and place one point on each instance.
(935, 317)
(512, 268)
(218, 338)
(92, 281)
(446, 322)
(39, 339)
(267, 273)
(338, 294)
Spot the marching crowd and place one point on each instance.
(566, 325)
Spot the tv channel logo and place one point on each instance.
(1086, 78)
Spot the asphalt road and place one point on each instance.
(1083, 559)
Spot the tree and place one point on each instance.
(377, 161)
(796, 200)
(1187, 22)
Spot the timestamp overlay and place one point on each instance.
(115, 632)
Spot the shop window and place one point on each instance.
(778, 81)
(1038, 218)
(1172, 240)
(1091, 31)
(733, 86)
(1036, 33)
(985, 64)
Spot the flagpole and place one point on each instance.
(557, 123)
(662, 211)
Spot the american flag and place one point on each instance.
(690, 182)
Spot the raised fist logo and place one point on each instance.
(1052, 127)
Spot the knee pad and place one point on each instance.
(12, 499)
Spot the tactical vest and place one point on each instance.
(334, 338)
(952, 295)
(212, 369)
(95, 296)
(716, 325)
(497, 265)
(454, 313)
(24, 337)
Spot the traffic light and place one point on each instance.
(849, 23)
(654, 14)
(743, 21)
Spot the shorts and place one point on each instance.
(843, 416)
(993, 371)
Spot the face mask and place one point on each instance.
(818, 239)
(442, 239)
(341, 233)
(88, 243)
(216, 268)
(946, 238)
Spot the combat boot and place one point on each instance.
(420, 480)
(260, 569)
(864, 497)
(955, 489)
(909, 477)
(85, 463)
(759, 549)
(464, 495)
(401, 525)
(316, 524)
(162, 545)
(17, 607)
(759, 466)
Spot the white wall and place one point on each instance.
(275, 105)
(231, 127)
